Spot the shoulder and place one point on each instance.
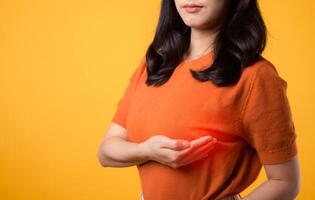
(261, 82)
(142, 64)
(140, 70)
(261, 68)
(261, 72)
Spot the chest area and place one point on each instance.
(182, 108)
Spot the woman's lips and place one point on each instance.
(192, 9)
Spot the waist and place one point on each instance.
(232, 197)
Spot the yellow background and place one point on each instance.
(64, 65)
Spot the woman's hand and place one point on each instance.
(177, 152)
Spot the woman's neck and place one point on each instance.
(201, 43)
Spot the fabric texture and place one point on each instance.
(233, 197)
(251, 120)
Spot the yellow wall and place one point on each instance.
(63, 67)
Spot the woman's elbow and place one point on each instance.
(101, 157)
(292, 189)
(295, 189)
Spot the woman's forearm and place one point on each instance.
(118, 152)
(273, 190)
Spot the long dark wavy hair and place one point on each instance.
(239, 43)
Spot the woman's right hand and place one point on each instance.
(177, 152)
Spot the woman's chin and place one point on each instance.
(196, 26)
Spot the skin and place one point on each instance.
(283, 179)
(162, 149)
(204, 24)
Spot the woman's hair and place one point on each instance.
(239, 43)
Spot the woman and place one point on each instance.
(204, 110)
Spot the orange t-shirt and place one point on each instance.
(251, 120)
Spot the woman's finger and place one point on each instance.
(175, 144)
(198, 157)
(195, 144)
(201, 150)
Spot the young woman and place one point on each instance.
(204, 110)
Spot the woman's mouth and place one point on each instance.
(192, 8)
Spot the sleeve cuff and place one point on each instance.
(279, 155)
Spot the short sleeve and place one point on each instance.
(266, 117)
(122, 107)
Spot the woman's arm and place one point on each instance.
(132, 154)
(116, 151)
(283, 182)
(110, 152)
